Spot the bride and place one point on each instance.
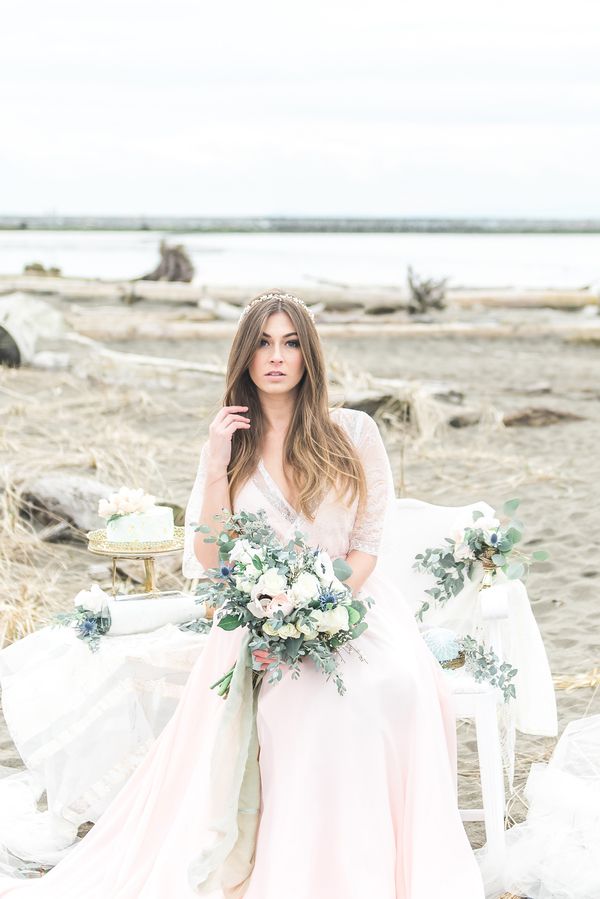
(357, 792)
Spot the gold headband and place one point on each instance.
(278, 296)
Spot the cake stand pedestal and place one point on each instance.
(98, 544)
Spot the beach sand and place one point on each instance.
(554, 470)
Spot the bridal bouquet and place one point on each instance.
(452, 650)
(290, 596)
(90, 617)
(486, 544)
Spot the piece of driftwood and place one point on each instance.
(425, 293)
(538, 417)
(174, 265)
(66, 504)
(465, 419)
(221, 309)
(65, 498)
(36, 268)
(404, 406)
(333, 298)
(126, 361)
(24, 320)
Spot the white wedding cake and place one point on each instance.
(133, 517)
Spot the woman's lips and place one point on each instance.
(275, 374)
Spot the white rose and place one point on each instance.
(324, 567)
(288, 630)
(92, 600)
(463, 551)
(270, 630)
(305, 588)
(244, 583)
(487, 524)
(338, 586)
(331, 621)
(243, 551)
(306, 628)
(270, 583)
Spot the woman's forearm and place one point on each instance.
(362, 564)
(215, 499)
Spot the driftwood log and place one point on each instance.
(65, 499)
(66, 504)
(174, 265)
(24, 320)
(538, 417)
(333, 298)
(425, 293)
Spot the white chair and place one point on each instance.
(422, 525)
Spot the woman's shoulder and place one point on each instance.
(352, 420)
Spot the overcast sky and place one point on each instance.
(301, 107)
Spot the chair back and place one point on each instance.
(421, 525)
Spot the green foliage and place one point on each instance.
(341, 569)
(484, 664)
(229, 622)
(451, 569)
(228, 588)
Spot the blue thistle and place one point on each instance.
(87, 627)
(225, 571)
(327, 597)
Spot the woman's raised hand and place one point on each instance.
(221, 430)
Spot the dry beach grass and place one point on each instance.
(147, 428)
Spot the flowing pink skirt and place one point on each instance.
(358, 791)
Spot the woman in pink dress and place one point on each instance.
(357, 792)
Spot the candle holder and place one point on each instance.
(98, 544)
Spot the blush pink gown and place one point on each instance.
(358, 792)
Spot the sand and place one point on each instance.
(554, 470)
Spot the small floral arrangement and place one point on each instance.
(126, 501)
(486, 544)
(91, 618)
(482, 663)
(290, 596)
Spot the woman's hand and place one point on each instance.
(263, 657)
(220, 432)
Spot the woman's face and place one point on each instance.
(278, 351)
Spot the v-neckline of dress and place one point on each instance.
(276, 494)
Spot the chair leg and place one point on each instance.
(492, 777)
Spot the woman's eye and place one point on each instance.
(262, 341)
(294, 343)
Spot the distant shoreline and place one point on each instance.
(304, 225)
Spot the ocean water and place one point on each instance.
(270, 260)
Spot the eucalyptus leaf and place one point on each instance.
(341, 569)
(359, 629)
(514, 535)
(540, 555)
(510, 506)
(229, 622)
(515, 570)
(354, 615)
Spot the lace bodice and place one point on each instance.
(337, 527)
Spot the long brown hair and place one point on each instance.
(318, 451)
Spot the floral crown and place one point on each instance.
(276, 296)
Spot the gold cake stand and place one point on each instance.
(98, 544)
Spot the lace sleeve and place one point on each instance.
(191, 566)
(369, 523)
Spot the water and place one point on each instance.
(272, 260)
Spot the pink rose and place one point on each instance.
(280, 603)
